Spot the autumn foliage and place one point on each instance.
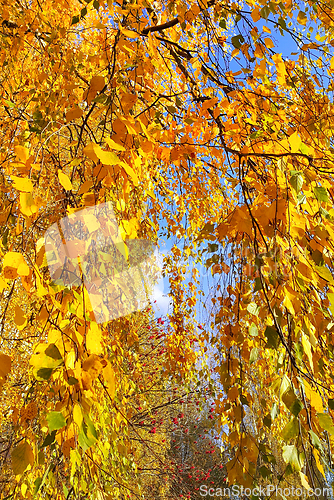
(202, 128)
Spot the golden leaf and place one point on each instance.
(77, 415)
(64, 181)
(97, 83)
(14, 265)
(295, 142)
(109, 377)
(5, 364)
(20, 318)
(93, 339)
(22, 457)
(22, 153)
(27, 204)
(22, 184)
(113, 145)
(73, 114)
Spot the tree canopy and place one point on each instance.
(208, 124)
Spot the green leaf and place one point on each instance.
(296, 182)
(72, 381)
(37, 484)
(253, 331)
(254, 355)
(55, 420)
(301, 199)
(264, 471)
(258, 285)
(299, 351)
(331, 404)
(326, 422)
(253, 308)
(101, 98)
(53, 352)
(267, 421)
(296, 407)
(237, 41)
(91, 431)
(272, 337)
(22, 456)
(315, 440)
(321, 193)
(291, 430)
(44, 373)
(264, 12)
(83, 439)
(75, 20)
(290, 456)
(212, 247)
(325, 273)
(289, 398)
(317, 257)
(49, 439)
(9, 104)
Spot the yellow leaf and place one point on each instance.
(129, 33)
(64, 181)
(130, 127)
(5, 364)
(14, 265)
(22, 184)
(130, 172)
(288, 304)
(93, 339)
(89, 151)
(27, 204)
(304, 481)
(94, 152)
(280, 67)
(315, 398)
(319, 464)
(106, 157)
(308, 351)
(109, 378)
(77, 415)
(130, 227)
(22, 153)
(113, 145)
(91, 222)
(295, 142)
(3, 284)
